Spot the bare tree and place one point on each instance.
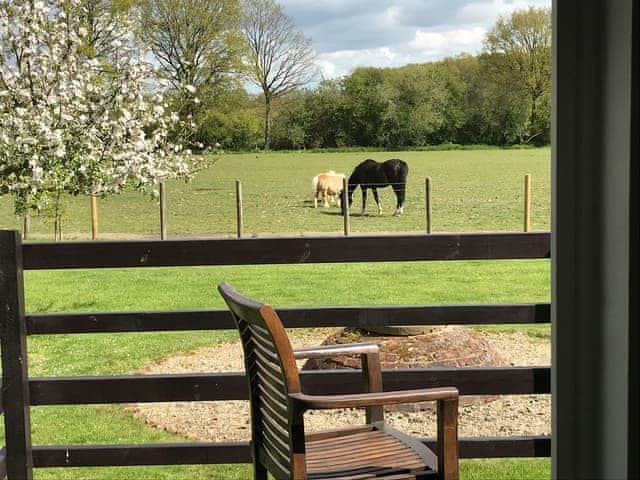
(281, 57)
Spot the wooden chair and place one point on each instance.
(279, 445)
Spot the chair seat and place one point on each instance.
(367, 452)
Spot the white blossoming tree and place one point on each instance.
(70, 124)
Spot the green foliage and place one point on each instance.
(229, 118)
(518, 67)
(501, 97)
(463, 100)
(196, 42)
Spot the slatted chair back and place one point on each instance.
(277, 436)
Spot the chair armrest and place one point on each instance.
(324, 351)
(447, 415)
(371, 371)
(318, 402)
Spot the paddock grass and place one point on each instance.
(473, 190)
(194, 288)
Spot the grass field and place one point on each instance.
(204, 206)
(473, 190)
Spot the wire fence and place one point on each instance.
(253, 207)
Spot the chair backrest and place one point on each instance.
(277, 435)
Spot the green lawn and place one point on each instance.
(194, 288)
(473, 190)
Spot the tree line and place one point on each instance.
(500, 97)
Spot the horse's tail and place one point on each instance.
(314, 186)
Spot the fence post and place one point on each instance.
(94, 218)
(57, 229)
(345, 206)
(15, 382)
(26, 226)
(427, 199)
(239, 220)
(527, 202)
(163, 211)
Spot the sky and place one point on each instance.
(383, 33)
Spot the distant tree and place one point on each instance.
(196, 42)
(290, 121)
(280, 59)
(328, 120)
(232, 120)
(365, 104)
(519, 49)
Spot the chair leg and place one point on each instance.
(259, 472)
(448, 439)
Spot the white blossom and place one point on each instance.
(68, 124)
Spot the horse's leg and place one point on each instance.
(325, 196)
(399, 190)
(364, 199)
(375, 196)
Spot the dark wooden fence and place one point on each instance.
(20, 391)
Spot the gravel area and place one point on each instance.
(229, 421)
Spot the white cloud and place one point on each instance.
(448, 42)
(386, 33)
(426, 46)
(487, 13)
(343, 62)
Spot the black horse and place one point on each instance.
(374, 175)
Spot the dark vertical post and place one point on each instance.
(163, 211)
(427, 200)
(527, 202)
(594, 240)
(345, 205)
(15, 383)
(239, 219)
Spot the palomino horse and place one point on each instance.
(374, 175)
(329, 185)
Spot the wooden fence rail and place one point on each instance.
(343, 316)
(83, 390)
(19, 391)
(288, 250)
(238, 452)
